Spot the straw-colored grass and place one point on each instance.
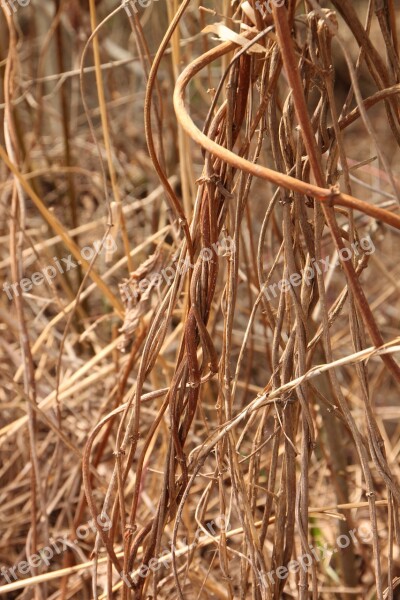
(200, 338)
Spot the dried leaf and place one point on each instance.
(227, 35)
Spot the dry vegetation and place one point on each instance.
(206, 414)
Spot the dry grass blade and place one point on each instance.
(199, 317)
